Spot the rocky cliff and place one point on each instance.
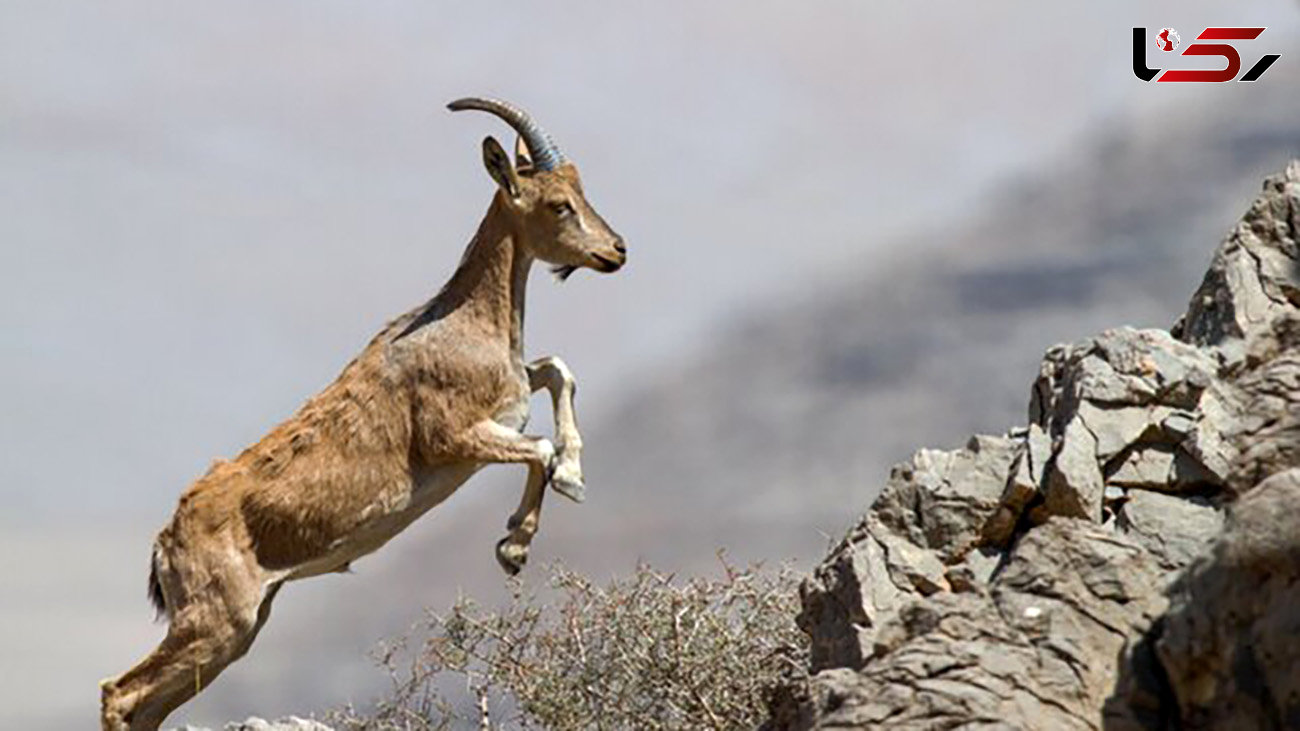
(1126, 559)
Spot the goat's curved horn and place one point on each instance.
(546, 154)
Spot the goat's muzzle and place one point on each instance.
(611, 263)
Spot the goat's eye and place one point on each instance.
(563, 209)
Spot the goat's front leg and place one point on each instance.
(552, 374)
(512, 551)
(489, 441)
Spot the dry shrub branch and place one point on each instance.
(645, 651)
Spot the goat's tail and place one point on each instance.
(155, 586)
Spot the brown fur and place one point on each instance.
(438, 393)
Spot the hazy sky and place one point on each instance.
(204, 215)
(205, 211)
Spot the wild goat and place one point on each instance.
(440, 392)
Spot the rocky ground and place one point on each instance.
(1127, 559)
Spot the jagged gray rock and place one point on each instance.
(1107, 400)
(1173, 529)
(921, 535)
(1230, 655)
(1025, 646)
(1010, 583)
(1225, 653)
(1251, 282)
(1267, 436)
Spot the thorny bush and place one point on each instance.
(645, 651)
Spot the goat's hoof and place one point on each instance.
(567, 480)
(512, 557)
(573, 489)
(111, 717)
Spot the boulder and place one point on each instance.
(1230, 643)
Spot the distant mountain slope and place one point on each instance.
(799, 411)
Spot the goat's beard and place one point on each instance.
(562, 271)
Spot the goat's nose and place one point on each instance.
(619, 246)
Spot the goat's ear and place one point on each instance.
(523, 160)
(498, 166)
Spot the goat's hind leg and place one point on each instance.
(554, 375)
(204, 638)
